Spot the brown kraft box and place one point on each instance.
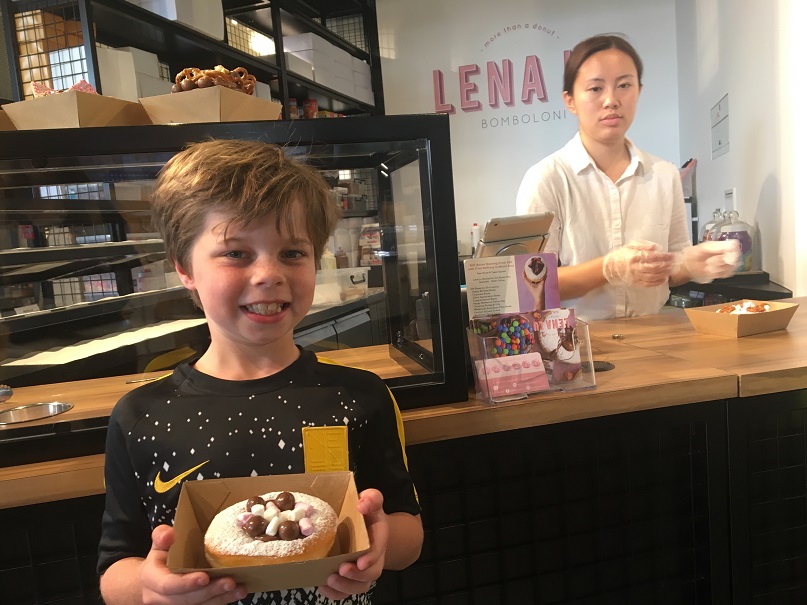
(213, 104)
(75, 109)
(5, 121)
(709, 321)
(200, 501)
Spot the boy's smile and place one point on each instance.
(255, 284)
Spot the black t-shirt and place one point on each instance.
(191, 426)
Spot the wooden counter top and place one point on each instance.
(654, 354)
(764, 363)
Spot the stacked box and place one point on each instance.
(117, 71)
(333, 67)
(147, 73)
(203, 16)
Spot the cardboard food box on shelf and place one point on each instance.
(709, 321)
(74, 109)
(145, 62)
(117, 73)
(214, 104)
(5, 121)
(298, 64)
(149, 86)
(307, 41)
(200, 501)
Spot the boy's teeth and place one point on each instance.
(265, 308)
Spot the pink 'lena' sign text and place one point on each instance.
(500, 85)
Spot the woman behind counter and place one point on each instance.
(620, 228)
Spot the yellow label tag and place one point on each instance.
(325, 448)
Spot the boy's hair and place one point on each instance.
(246, 180)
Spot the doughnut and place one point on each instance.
(535, 270)
(743, 308)
(193, 77)
(278, 527)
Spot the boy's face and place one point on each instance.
(255, 284)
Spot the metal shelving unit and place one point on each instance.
(118, 23)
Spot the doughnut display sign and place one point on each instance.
(520, 339)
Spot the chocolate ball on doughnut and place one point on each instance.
(253, 501)
(284, 501)
(255, 526)
(288, 530)
(187, 84)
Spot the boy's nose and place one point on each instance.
(267, 271)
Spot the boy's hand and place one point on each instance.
(160, 586)
(357, 577)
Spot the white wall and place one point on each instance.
(489, 156)
(793, 125)
(749, 50)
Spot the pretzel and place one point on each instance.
(193, 77)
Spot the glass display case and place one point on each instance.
(85, 290)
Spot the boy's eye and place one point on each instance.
(295, 254)
(234, 254)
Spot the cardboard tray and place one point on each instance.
(5, 121)
(709, 321)
(200, 501)
(214, 104)
(75, 109)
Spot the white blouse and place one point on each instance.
(594, 215)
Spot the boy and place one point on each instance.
(244, 225)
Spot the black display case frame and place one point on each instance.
(426, 138)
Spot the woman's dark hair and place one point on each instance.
(593, 45)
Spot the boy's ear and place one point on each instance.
(184, 276)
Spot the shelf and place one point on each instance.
(293, 21)
(60, 207)
(119, 23)
(20, 274)
(91, 310)
(22, 256)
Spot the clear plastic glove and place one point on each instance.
(639, 263)
(711, 260)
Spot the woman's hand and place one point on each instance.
(711, 260)
(639, 263)
(357, 577)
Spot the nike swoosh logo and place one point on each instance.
(161, 486)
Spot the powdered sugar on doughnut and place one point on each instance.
(224, 536)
